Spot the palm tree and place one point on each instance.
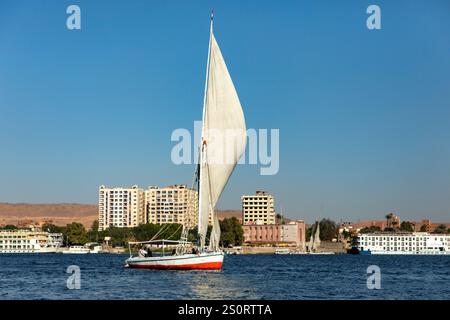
(389, 217)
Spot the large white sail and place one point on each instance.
(223, 140)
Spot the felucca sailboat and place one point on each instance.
(314, 241)
(223, 143)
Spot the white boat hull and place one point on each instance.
(75, 252)
(287, 251)
(410, 253)
(203, 261)
(48, 250)
(322, 253)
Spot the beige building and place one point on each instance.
(292, 233)
(172, 204)
(258, 208)
(121, 207)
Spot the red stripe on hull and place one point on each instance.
(199, 266)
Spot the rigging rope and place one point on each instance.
(160, 231)
(175, 231)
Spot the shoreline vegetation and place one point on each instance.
(232, 234)
(76, 234)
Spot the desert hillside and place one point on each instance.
(61, 214)
(222, 214)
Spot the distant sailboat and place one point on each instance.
(311, 240)
(314, 241)
(223, 143)
(317, 237)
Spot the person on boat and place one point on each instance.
(142, 253)
(174, 252)
(149, 252)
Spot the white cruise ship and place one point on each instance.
(404, 243)
(26, 241)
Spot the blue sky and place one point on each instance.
(364, 116)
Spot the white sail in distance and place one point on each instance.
(311, 240)
(317, 237)
(223, 140)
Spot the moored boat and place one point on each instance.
(76, 250)
(403, 243)
(203, 261)
(322, 253)
(186, 261)
(29, 241)
(282, 251)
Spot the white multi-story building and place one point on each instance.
(121, 207)
(172, 204)
(404, 243)
(258, 208)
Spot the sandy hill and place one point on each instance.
(64, 213)
(222, 214)
(59, 214)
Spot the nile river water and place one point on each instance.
(40, 276)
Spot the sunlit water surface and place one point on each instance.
(40, 276)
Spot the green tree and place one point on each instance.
(328, 230)
(279, 218)
(346, 234)
(406, 226)
(370, 229)
(145, 232)
(9, 227)
(308, 232)
(93, 233)
(394, 224)
(442, 228)
(208, 234)
(172, 232)
(119, 236)
(232, 233)
(95, 226)
(102, 234)
(76, 233)
(49, 227)
(423, 228)
(193, 235)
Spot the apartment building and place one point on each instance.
(172, 204)
(121, 207)
(258, 208)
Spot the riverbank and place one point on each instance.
(326, 246)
